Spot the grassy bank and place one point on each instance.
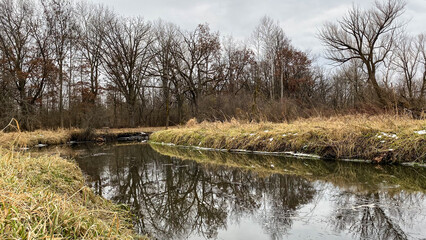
(379, 138)
(62, 136)
(45, 198)
(352, 176)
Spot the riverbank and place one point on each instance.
(381, 139)
(46, 197)
(62, 136)
(351, 176)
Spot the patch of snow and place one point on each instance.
(394, 136)
(306, 155)
(421, 132)
(40, 145)
(168, 144)
(266, 131)
(284, 135)
(272, 166)
(412, 164)
(239, 150)
(383, 141)
(388, 135)
(271, 139)
(252, 134)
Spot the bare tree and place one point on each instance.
(408, 64)
(236, 60)
(127, 56)
(270, 41)
(24, 54)
(163, 62)
(196, 62)
(421, 47)
(368, 35)
(60, 21)
(90, 42)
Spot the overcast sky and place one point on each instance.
(300, 19)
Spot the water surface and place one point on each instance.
(190, 194)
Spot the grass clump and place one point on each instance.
(24, 139)
(383, 138)
(45, 198)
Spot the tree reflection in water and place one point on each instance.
(377, 215)
(175, 199)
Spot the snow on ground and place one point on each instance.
(388, 135)
(421, 132)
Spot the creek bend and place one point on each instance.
(191, 194)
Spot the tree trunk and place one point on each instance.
(180, 107)
(131, 111)
(167, 107)
(377, 89)
(282, 84)
(272, 80)
(61, 100)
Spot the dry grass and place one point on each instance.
(62, 136)
(379, 138)
(351, 176)
(45, 198)
(49, 137)
(128, 130)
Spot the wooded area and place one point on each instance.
(76, 64)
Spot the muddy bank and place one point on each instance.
(132, 136)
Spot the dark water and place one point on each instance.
(266, 198)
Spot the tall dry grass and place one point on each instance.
(45, 198)
(382, 137)
(14, 137)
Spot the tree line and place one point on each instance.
(70, 63)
